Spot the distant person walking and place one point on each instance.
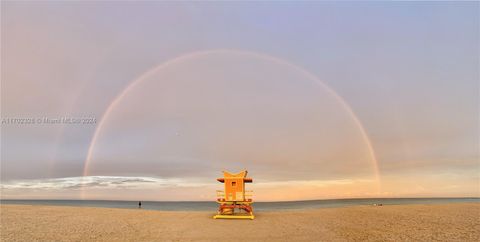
(140, 204)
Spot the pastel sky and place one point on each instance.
(315, 99)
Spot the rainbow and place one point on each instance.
(196, 54)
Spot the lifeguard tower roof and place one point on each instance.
(228, 175)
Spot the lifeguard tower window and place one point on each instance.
(234, 184)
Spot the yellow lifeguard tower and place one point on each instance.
(234, 196)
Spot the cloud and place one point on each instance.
(316, 183)
(74, 183)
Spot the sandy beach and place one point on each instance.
(448, 222)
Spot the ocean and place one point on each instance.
(258, 206)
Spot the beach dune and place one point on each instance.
(447, 222)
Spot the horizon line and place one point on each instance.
(306, 200)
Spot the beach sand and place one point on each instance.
(448, 222)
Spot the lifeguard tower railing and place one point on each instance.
(221, 196)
